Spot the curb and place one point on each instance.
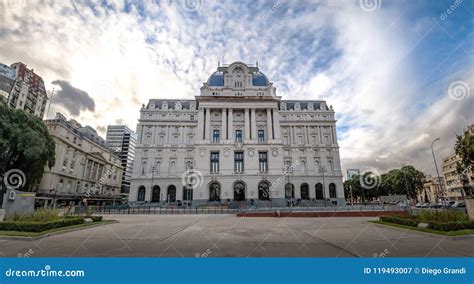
(16, 238)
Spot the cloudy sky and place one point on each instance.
(398, 73)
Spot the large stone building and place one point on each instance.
(237, 142)
(86, 169)
(123, 141)
(23, 88)
(433, 191)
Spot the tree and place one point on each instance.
(406, 180)
(25, 145)
(464, 148)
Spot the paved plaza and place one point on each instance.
(227, 236)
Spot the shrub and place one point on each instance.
(41, 215)
(444, 216)
(451, 226)
(95, 218)
(27, 226)
(399, 220)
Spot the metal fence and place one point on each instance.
(148, 210)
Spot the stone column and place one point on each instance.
(334, 133)
(231, 125)
(224, 124)
(208, 125)
(247, 125)
(306, 134)
(276, 123)
(269, 125)
(183, 133)
(254, 124)
(200, 127)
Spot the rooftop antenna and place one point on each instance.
(218, 64)
(257, 64)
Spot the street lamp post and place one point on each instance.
(323, 169)
(436, 167)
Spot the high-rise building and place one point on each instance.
(7, 80)
(26, 92)
(123, 140)
(237, 142)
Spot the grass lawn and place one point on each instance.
(426, 230)
(37, 234)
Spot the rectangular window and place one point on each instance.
(215, 136)
(239, 162)
(263, 162)
(214, 162)
(238, 136)
(261, 136)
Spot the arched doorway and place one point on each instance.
(171, 196)
(289, 190)
(214, 191)
(141, 193)
(304, 188)
(319, 191)
(239, 191)
(332, 190)
(155, 194)
(264, 190)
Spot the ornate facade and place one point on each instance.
(238, 143)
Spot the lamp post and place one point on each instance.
(436, 167)
(323, 169)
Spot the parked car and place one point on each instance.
(459, 205)
(437, 205)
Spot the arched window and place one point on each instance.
(172, 168)
(214, 191)
(143, 168)
(289, 190)
(332, 190)
(319, 191)
(155, 194)
(303, 167)
(239, 191)
(264, 190)
(304, 191)
(171, 196)
(141, 193)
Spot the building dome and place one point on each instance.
(259, 79)
(216, 79)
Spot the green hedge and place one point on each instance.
(39, 226)
(399, 220)
(451, 226)
(95, 218)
